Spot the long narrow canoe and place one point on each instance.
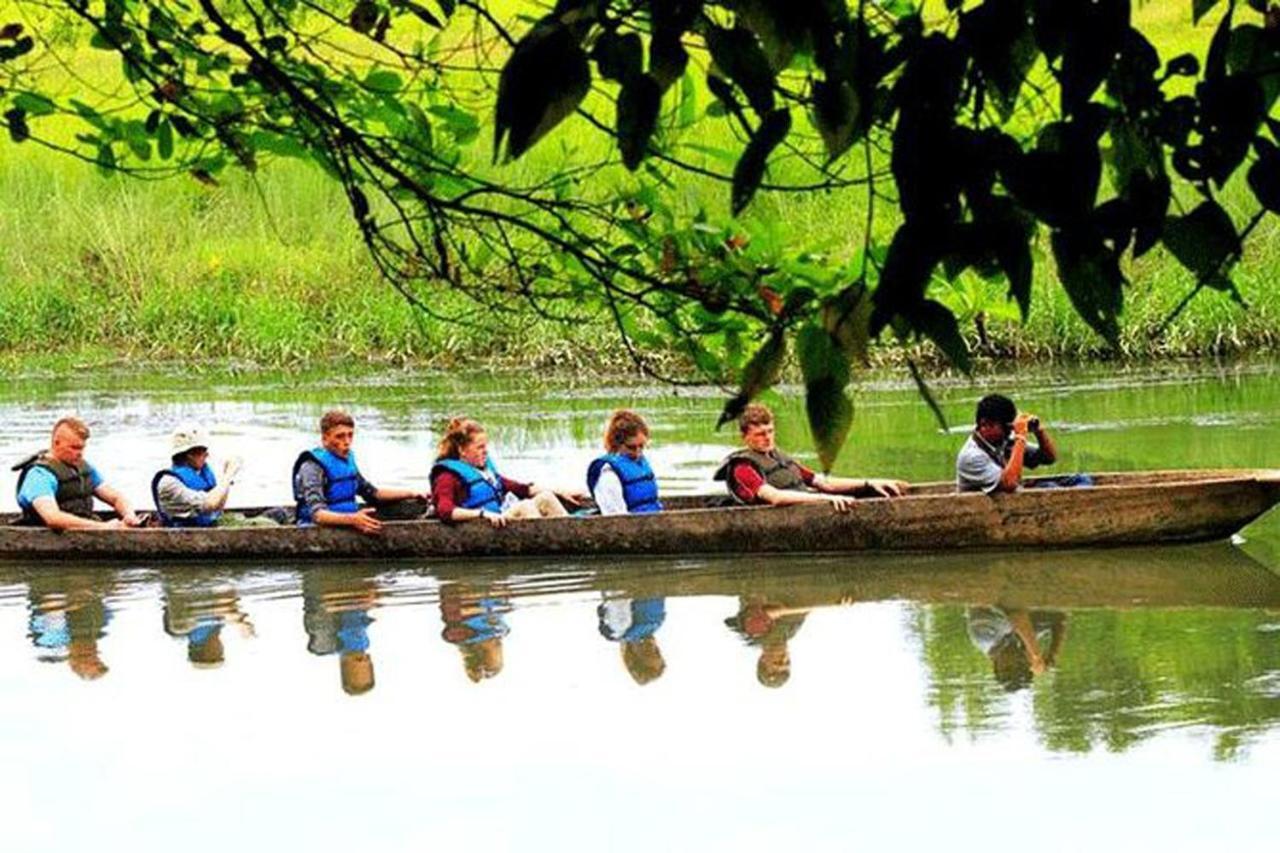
(1121, 509)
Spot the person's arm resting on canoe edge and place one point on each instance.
(39, 491)
(869, 487)
(311, 477)
(750, 487)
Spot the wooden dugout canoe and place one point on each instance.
(1121, 509)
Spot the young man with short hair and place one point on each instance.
(760, 473)
(56, 488)
(326, 481)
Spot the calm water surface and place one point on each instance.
(1059, 699)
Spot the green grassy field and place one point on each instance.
(268, 268)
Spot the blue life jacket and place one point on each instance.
(200, 481)
(482, 493)
(341, 481)
(639, 487)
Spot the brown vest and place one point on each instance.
(75, 485)
(778, 469)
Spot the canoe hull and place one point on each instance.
(1124, 509)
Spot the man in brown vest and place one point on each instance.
(56, 488)
(760, 473)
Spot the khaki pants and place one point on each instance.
(541, 505)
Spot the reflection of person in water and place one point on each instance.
(632, 623)
(197, 613)
(770, 626)
(336, 616)
(68, 615)
(1021, 644)
(474, 622)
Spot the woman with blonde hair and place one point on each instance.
(621, 480)
(466, 485)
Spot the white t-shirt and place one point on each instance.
(608, 492)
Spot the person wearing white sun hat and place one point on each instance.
(188, 494)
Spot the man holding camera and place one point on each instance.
(996, 452)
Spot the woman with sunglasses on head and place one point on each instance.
(621, 480)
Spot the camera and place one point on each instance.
(1033, 425)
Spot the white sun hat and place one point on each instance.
(186, 437)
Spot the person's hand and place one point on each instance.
(573, 498)
(1038, 665)
(231, 468)
(113, 524)
(364, 521)
(130, 519)
(1020, 423)
(888, 488)
(495, 519)
(841, 503)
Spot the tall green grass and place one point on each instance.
(269, 269)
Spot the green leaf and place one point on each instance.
(34, 104)
(544, 80)
(826, 371)
(164, 139)
(749, 171)
(760, 374)
(638, 105)
(383, 82)
(1204, 241)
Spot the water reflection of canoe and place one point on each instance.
(1123, 509)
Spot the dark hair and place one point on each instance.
(753, 415)
(623, 425)
(335, 418)
(996, 408)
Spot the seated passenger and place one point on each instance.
(466, 486)
(762, 474)
(326, 481)
(994, 456)
(56, 487)
(621, 481)
(187, 494)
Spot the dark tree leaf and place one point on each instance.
(1184, 65)
(1137, 161)
(1255, 52)
(835, 115)
(749, 170)
(1090, 273)
(1204, 241)
(1058, 181)
(16, 119)
(999, 35)
(760, 374)
(543, 82)
(424, 14)
(914, 252)
(847, 318)
(1200, 8)
(618, 57)
(737, 53)
(935, 321)
(1264, 176)
(1095, 36)
(1215, 63)
(927, 395)
(20, 47)
(638, 106)
(826, 372)
(364, 16)
(1231, 110)
(667, 60)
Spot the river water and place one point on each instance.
(745, 704)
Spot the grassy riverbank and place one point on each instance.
(268, 270)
